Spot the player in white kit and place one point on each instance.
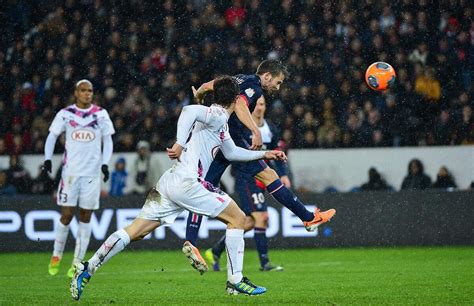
(86, 127)
(202, 131)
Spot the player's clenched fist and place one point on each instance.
(278, 155)
(175, 151)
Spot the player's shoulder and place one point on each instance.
(248, 79)
(216, 115)
(99, 111)
(250, 85)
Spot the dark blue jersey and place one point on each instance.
(251, 91)
(271, 139)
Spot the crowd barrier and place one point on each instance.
(363, 219)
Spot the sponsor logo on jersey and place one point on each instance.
(249, 92)
(83, 135)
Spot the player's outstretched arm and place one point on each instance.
(235, 153)
(243, 113)
(202, 90)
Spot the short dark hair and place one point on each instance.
(273, 66)
(226, 89)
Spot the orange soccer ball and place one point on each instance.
(380, 76)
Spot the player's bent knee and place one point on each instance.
(261, 219)
(85, 215)
(249, 223)
(66, 218)
(267, 176)
(233, 216)
(140, 228)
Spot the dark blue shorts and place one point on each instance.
(252, 197)
(220, 163)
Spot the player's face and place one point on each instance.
(84, 93)
(271, 84)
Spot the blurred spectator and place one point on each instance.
(5, 187)
(376, 182)
(18, 176)
(465, 129)
(118, 179)
(444, 179)
(427, 85)
(416, 177)
(42, 184)
(143, 57)
(141, 168)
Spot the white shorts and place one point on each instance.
(174, 194)
(82, 189)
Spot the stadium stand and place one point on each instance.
(143, 56)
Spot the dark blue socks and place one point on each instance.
(289, 200)
(262, 245)
(192, 228)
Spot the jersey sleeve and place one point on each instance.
(107, 127)
(250, 93)
(58, 125)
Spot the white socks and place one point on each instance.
(235, 245)
(113, 245)
(60, 239)
(82, 241)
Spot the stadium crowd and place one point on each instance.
(143, 57)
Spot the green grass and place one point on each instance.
(320, 276)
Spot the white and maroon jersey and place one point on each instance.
(84, 130)
(203, 143)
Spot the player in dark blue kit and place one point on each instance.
(251, 194)
(269, 77)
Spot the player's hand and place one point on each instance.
(285, 181)
(278, 155)
(47, 165)
(257, 141)
(197, 95)
(175, 151)
(105, 171)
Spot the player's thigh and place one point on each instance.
(159, 208)
(200, 197)
(68, 191)
(251, 168)
(89, 194)
(233, 216)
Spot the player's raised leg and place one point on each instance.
(283, 195)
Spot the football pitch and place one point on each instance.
(441, 275)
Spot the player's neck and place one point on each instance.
(83, 105)
(259, 121)
(230, 109)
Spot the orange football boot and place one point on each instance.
(320, 217)
(194, 257)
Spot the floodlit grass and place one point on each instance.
(427, 276)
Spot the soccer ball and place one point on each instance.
(380, 76)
